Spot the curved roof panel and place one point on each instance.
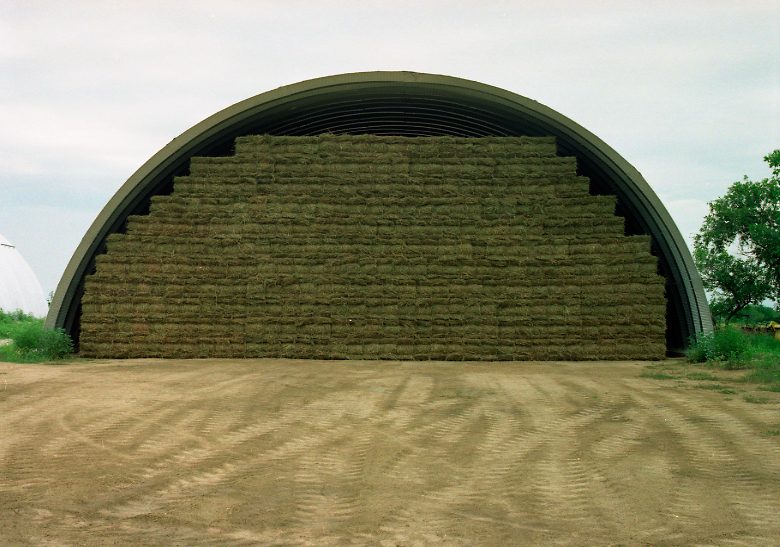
(400, 103)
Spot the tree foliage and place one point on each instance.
(737, 249)
(756, 314)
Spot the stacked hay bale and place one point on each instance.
(378, 247)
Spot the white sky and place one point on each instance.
(687, 91)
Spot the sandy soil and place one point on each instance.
(294, 452)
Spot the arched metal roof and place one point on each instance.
(400, 103)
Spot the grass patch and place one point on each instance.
(12, 322)
(718, 387)
(764, 375)
(765, 368)
(732, 349)
(728, 346)
(657, 375)
(755, 399)
(765, 344)
(701, 376)
(30, 341)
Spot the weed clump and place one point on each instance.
(30, 342)
(33, 340)
(728, 346)
(658, 375)
(732, 349)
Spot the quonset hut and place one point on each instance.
(383, 215)
(19, 287)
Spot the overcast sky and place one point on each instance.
(688, 92)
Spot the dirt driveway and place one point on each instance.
(295, 452)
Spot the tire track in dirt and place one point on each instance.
(497, 471)
(109, 432)
(200, 479)
(226, 442)
(381, 453)
(710, 447)
(668, 473)
(744, 434)
(464, 493)
(617, 437)
(556, 478)
(201, 475)
(328, 486)
(713, 477)
(614, 488)
(439, 423)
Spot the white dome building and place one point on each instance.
(19, 287)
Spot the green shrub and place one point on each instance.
(33, 339)
(27, 336)
(729, 346)
(766, 344)
(30, 341)
(756, 314)
(10, 322)
(18, 315)
(698, 349)
(735, 349)
(56, 344)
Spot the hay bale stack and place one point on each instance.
(378, 247)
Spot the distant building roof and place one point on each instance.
(19, 287)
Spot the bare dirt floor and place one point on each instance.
(383, 453)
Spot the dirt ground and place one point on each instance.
(383, 453)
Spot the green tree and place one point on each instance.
(737, 249)
(756, 314)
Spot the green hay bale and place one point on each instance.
(364, 247)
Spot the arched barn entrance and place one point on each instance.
(383, 215)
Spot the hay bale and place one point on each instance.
(378, 247)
